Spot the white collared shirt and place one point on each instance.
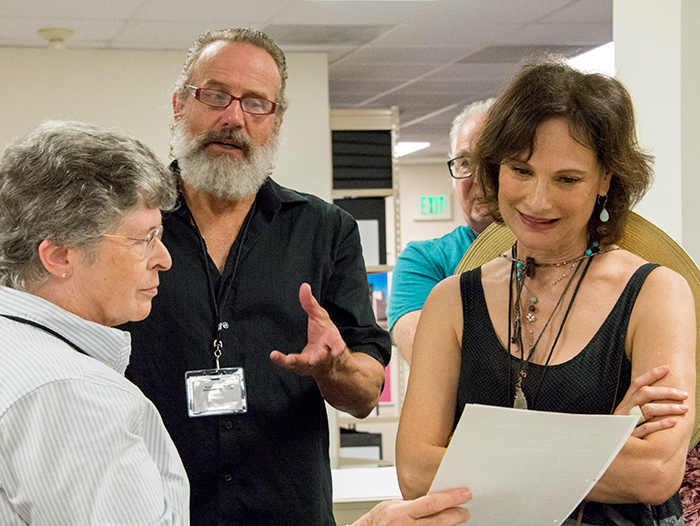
(79, 444)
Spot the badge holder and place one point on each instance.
(216, 392)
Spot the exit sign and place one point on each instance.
(434, 207)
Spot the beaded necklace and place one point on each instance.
(529, 265)
(519, 271)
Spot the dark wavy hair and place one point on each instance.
(600, 114)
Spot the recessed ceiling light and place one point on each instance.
(406, 147)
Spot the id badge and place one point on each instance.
(216, 392)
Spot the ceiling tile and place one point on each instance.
(473, 71)
(350, 13)
(405, 55)
(325, 36)
(69, 9)
(585, 36)
(159, 34)
(583, 11)
(223, 13)
(24, 30)
(490, 13)
(397, 72)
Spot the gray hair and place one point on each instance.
(245, 35)
(70, 182)
(475, 109)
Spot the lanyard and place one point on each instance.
(45, 329)
(219, 303)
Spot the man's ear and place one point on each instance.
(178, 104)
(56, 258)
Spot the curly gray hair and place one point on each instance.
(71, 182)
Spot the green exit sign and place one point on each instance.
(434, 207)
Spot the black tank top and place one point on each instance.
(586, 384)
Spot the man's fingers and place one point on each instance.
(307, 300)
(440, 500)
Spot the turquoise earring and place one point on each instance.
(604, 215)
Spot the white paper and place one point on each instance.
(529, 468)
(369, 239)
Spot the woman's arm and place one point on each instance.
(662, 331)
(428, 411)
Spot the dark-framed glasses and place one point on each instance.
(148, 242)
(221, 99)
(460, 167)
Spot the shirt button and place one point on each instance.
(228, 424)
(228, 477)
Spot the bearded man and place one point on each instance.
(265, 313)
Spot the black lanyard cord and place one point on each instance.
(219, 302)
(45, 329)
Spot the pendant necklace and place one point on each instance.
(532, 307)
(519, 271)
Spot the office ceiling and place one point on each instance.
(428, 57)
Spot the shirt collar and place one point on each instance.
(108, 345)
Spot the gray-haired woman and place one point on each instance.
(80, 251)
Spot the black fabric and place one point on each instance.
(586, 384)
(270, 465)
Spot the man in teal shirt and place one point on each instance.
(423, 264)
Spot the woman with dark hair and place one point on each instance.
(565, 320)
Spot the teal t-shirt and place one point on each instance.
(421, 266)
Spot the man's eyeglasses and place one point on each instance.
(148, 242)
(460, 167)
(221, 99)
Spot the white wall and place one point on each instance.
(648, 61)
(131, 91)
(425, 180)
(657, 56)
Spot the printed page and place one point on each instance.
(529, 468)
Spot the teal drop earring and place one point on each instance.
(604, 215)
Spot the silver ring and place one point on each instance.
(637, 411)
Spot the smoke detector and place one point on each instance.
(55, 36)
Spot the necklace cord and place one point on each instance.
(517, 335)
(525, 362)
(218, 302)
(561, 327)
(509, 395)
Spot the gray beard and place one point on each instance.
(221, 175)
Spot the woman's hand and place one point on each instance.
(659, 405)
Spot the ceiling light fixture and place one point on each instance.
(406, 147)
(55, 36)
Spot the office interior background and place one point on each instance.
(425, 58)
